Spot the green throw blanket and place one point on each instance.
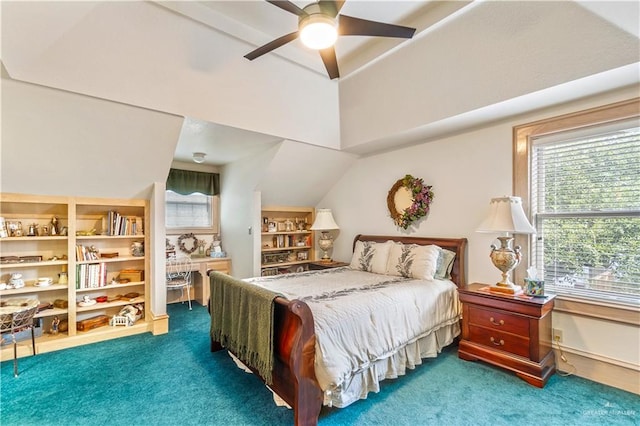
(242, 321)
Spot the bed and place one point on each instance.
(316, 317)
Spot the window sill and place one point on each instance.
(180, 231)
(596, 309)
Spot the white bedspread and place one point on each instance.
(370, 326)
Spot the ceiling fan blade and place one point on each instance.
(272, 45)
(349, 25)
(330, 62)
(331, 7)
(289, 7)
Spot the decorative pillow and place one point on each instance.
(412, 260)
(445, 264)
(370, 256)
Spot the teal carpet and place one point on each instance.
(173, 379)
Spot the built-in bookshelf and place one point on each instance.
(93, 249)
(286, 239)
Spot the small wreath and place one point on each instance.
(421, 196)
(181, 245)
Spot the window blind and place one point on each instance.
(585, 203)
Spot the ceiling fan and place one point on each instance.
(319, 24)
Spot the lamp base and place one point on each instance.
(325, 242)
(505, 259)
(513, 290)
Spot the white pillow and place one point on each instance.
(370, 256)
(412, 260)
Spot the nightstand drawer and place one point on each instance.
(503, 341)
(499, 321)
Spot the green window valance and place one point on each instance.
(187, 182)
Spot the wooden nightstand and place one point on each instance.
(512, 332)
(315, 266)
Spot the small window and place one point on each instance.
(195, 212)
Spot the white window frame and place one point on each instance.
(522, 148)
(215, 221)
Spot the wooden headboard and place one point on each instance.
(457, 245)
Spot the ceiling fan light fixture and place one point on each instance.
(318, 31)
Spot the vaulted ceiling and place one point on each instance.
(186, 59)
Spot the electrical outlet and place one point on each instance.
(557, 335)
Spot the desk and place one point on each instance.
(200, 286)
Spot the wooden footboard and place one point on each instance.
(293, 371)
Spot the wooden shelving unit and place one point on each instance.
(287, 242)
(87, 217)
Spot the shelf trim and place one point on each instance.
(51, 312)
(110, 260)
(32, 289)
(282, 264)
(272, 249)
(287, 233)
(107, 305)
(110, 286)
(33, 264)
(36, 238)
(108, 237)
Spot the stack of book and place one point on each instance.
(118, 224)
(91, 275)
(86, 253)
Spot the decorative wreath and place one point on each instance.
(194, 245)
(421, 196)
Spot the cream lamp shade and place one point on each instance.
(324, 222)
(506, 216)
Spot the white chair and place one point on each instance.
(179, 276)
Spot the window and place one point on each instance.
(191, 211)
(192, 202)
(583, 188)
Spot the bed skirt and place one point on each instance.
(368, 379)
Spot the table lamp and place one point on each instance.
(324, 222)
(506, 216)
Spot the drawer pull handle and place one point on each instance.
(494, 322)
(500, 343)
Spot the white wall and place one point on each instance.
(300, 174)
(61, 143)
(466, 170)
(158, 261)
(141, 53)
(522, 48)
(239, 212)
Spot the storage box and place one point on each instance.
(91, 323)
(131, 275)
